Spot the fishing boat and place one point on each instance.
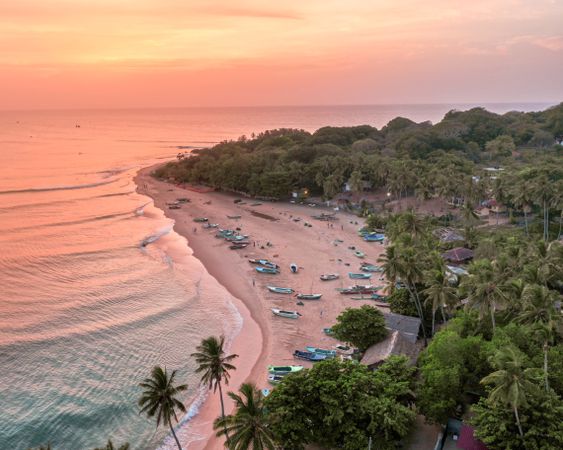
(322, 351)
(293, 267)
(359, 254)
(174, 207)
(274, 378)
(343, 349)
(309, 356)
(210, 225)
(329, 276)
(269, 270)
(201, 219)
(286, 314)
(374, 237)
(370, 268)
(224, 233)
(172, 203)
(359, 276)
(238, 245)
(328, 331)
(309, 296)
(264, 262)
(234, 217)
(183, 200)
(265, 392)
(359, 289)
(280, 370)
(280, 290)
(238, 237)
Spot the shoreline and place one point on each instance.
(201, 423)
(265, 339)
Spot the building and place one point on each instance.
(448, 235)
(458, 436)
(408, 326)
(394, 344)
(458, 255)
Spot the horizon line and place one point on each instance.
(139, 108)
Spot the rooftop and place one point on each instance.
(408, 326)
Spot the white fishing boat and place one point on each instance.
(286, 314)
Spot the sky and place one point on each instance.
(182, 53)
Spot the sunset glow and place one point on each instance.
(136, 53)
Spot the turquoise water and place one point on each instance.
(85, 310)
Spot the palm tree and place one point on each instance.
(391, 265)
(159, 398)
(110, 446)
(539, 311)
(247, 427)
(482, 289)
(214, 366)
(523, 199)
(439, 292)
(511, 381)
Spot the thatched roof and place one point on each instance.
(394, 344)
(407, 325)
(458, 254)
(448, 235)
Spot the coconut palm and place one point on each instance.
(214, 365)
(438, 293)
(110, 446)
(247, 426)
(390, 264)
(159, 398)
(511, 382)
(539, 311)
(482, 289)
(522, 197)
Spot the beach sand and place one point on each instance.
(266, 339)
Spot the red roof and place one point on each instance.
(467, 441)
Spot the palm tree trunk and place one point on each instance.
(526, 221)
(433, 320)
(175, 437)
(545, 373)
(493, 318)
(414, 293)
(518, 422)
(443, 315)
(223, 410)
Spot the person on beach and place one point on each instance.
(253, 282)
(321, 313)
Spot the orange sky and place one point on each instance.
(135, 53)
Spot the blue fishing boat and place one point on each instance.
(374, 237)
(309, 356)
(328, 331)
(270, 270)
(322, 351)
(359, 276)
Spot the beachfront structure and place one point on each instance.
(394, 344)
(448, 235)
(408, 326)
(456, 436)
(458, 255)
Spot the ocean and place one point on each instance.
(86, 310)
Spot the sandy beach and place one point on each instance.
(266, 339)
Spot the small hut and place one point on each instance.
(458, 255)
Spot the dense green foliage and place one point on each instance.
(541, 418)
(342, 404)
(404, 157)
(361, 327)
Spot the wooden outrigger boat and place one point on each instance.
(234, 217)
(321, 351)
(284, 369)
(309, 356)
(280, 290)
(359, 254)
(329, 276)
(374, 237)
(269, 270)
(264, 262)
(275, 378)
(359, 276)
(309, 296)
(370, 268)
(343, 349)
(286, 314)
(359, 289)
(201, 219)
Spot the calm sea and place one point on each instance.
(85, 310)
